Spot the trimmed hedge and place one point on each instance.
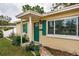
(17, 40)
(1, 34)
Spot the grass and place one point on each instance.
(7, 49)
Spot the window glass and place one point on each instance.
(23, 27)
(50, 27)
(66, 26)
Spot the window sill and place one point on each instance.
(64, 36)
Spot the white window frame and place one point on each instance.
(76, 37)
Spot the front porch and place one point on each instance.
(31, 19)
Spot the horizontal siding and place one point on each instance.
(71, 46)
(62, 15)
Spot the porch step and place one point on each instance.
(45, 52)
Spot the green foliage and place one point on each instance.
(2, 22)
(5, 18)
(6, 28)
(1, 34)
(37, 53)
(34, 48)
(26, 7)
(17, 40)
(7, 49)
(36, 8)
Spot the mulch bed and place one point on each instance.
(57, 52)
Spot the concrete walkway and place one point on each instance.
(9, 39)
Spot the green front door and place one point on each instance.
(36, 31)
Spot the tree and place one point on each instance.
(36, 8)
(26, 7)
(4, 20)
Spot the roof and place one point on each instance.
(28, 12)
(76, 6)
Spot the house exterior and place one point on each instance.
(59, 29)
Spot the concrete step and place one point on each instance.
(45, 52)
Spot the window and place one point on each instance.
(25, 28)
(66, 26)
(50, 27)
(58, 26)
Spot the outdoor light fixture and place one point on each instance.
(40, 21)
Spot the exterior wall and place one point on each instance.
(18, 28)
(69, 45)
(62, 15)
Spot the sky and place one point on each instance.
(12, 9)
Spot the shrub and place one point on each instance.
(34, 48)
(1, 34)
(17, 40)
(7, 28)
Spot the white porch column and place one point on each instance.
(30, 29)
(21, 31)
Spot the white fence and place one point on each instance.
(9, 32)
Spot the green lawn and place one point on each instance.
(7, 49)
